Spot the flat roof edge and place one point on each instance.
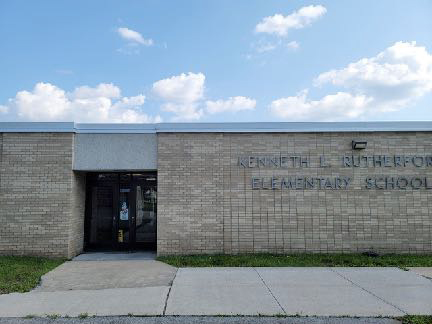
(294, 127)
(257, 127)
(36, 127)
(115, 128)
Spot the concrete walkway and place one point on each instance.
(299, 291)
(97, 283)
(92, 275)
(422, 271)
(143, 287)
(116, 256)
(202, 320)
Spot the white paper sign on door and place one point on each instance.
(124, 212)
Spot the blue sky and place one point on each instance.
(209, 61)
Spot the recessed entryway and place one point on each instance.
(116, 256)
(121, 211)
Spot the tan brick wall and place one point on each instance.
(76, 225)
(206, 203)
(190, 194)
(40, 196)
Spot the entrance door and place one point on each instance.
(124, 217)
(145, 211)
(121, 211)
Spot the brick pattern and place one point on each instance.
(190, 194)
(76, 225)
(40, 197)
(206, 203)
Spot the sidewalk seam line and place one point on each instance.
(369, 292)
(269, 290)
(168, 294)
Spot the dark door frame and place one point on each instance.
(132, 184)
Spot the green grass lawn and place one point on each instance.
(299, 260)
(416, 319)
(21, 274)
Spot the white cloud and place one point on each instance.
(280, 25)
(264, 46)
(184, 111)
(233, 104)
(387, 82)
(401, 72)
(182, 93)
(183, 96)
(47, 102)
(183, 88)
(293, 45)
(341, 105)
(134, 36)
(130, 102)
(102, 90)
(4, 109)
(267, 47)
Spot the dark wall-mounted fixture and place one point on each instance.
(359, 145)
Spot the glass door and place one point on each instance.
(100, 208)
(145, 226)
(124, 217)
(121, 211)
(145, 194)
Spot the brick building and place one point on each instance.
(216, 188)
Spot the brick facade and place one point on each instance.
(41, 198)
(206, 203)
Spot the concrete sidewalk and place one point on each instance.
(299, 291)
(93, 275)
(423, 271)
(202, 320)
(238, 291)
(105, 302)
